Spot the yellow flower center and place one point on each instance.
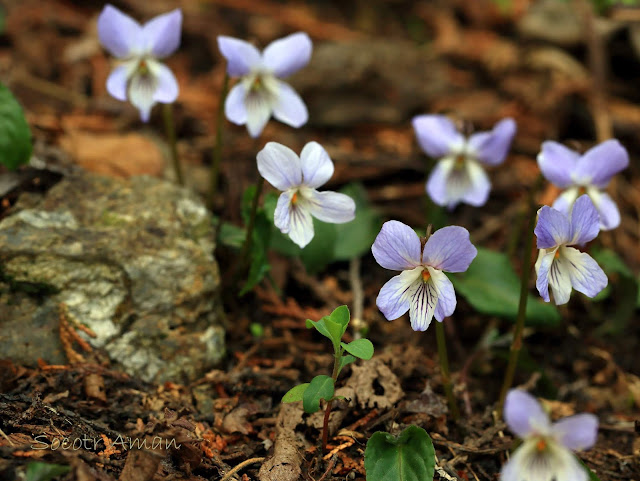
(294, 198)
(541, 445)
(425, 275)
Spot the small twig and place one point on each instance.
(170, 131)
(240, 466)
(6, 437)
(332, 463)
(357, 320)
(216, 157)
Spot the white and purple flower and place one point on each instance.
(459, 175)
(298, 178)
(546, 453)
(585, 174)
(562, 267)
(260, 92)
(141, 77)
(422, 288)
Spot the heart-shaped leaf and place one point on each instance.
(409, 457)
(361, 348)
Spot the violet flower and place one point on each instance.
(561, 267)
(459, 175)
(422, 288)
(260, 92)
(585, 174)
(298, 178)
(140, 77)
(545, 454)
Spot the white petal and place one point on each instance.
(446, 304)
(280, 166)
(317, 167)
(117, 82)
(259, 108)
(565, 201)
(330, 206)
(607, 208)
(289, 108)
(394, 298)
(423, 305)
(584, 273)
(142, 89)
(554, 463)
(301, 231)
(543, 267)
(282, 214)
(166, 83)
(234, 107)
(560, 281)
(479, 185)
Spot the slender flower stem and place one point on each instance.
(170, 131)
(246, 248)
(216, 153)
(516, 344)
(327, 410)
(444, 369)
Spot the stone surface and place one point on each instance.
(131, 259)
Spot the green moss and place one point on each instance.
(31, 288)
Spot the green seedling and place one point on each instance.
(322, 387)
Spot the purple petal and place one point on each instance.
(577, 432)
(301, 231)
(449, 249)
(446, 304)
(524, 414)
(287, 55)
(234, 107)
(565, 201)
(557, 162)
(479, 185)
(585, 221)
(331, 207)
(437, 135)
(117, 82)
(393, 300)
(422, 305)
(543, 266)
(280, 166)
(600, 163)
(437, 182)
(167, 85)
(491, 148)
(317, 167)
(584, 273)
(553, 228)
(241, 56)
(161, 35)
(397, 247)
(607, 209)
(259, 108)
(119, 33)
(290, 109)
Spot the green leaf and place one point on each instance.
(341, 316)
(492, 287)
(37, 471)
(15, 136)
(328, 328)
(354, 239)
(344, 360)
(409, 457)
(320, 387)
(361, 348)
(611, 262)
(295, 393)
(231, 235)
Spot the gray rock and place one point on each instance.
(131, 259)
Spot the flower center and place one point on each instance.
(425, 275)
(257, 84)
(582, 190)
(541, 445)
(294, 198)
(459, 162)
(557, 254)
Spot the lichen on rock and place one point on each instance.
(132, 259)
